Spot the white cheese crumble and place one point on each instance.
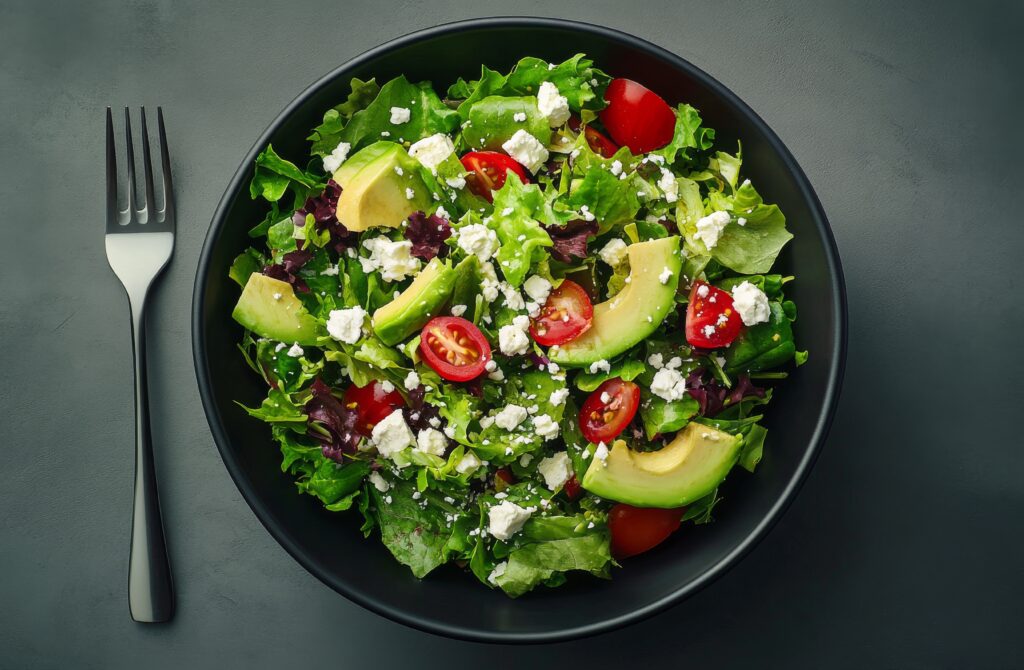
(295, 351)
(537, 288)
(600, 366)
(479, 240)
(498, 571)
(665, 275)
(506, 519)
(710, 227)
(400, 115)
(668, 185)
(409, 193)
(394, 260)
(616, 168)
(331, 271)
(412, 381)
(614, 252)
(455, 182)
(510, 416)
(656, 361)
(431, 441)
(558, 396)
(468, 463)
(337, 157)
(513, 298)
(392, 435)
(601, 452)
(552, 105)
(545, 427)
(431, 151)
(512, 339)
(519, 117)
(586, 213)
(457, 310)
(526, 149)
(703, 290)
(555, 470)
(750, 302)
(605, 397)
(668, 384)
(346, 325)
(379, 482)
(489, 285)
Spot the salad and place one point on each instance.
(526, 325)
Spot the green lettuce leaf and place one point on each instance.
(626, 369)
(332, 481)
(327, 135)
(274, 176)
(428, 115)
(414, 532)
(492, 122)
(764, 346)
(664, 416)
(689, 137)
(517, 207)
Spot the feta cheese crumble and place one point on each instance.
(526, 149)
(558, 396)
(601, 452)
(616, 168)
(379, 482)
(431, 152)
(468, 463)
(552, 105)
(510, 417)
(400, 115)
(412, 381)
(750, 302)
(506, 519)
(479, 240)
(346, 325)
(545, 427)
(537, 288)
(668, 185)
(337, 157)
(392, 435)
(519, 117)
(295, 351)
(555, 470)
(614, 252)
(710, 227)
(431, 441)
(393, 260)
(600, 366)
(668, 384)
(498, 571)
(512, 339)
(457, 310)
(665, 275)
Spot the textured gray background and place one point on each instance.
(903, 549)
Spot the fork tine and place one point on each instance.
(165, 169)
(131, 165)
(147, 167)
(113, 216)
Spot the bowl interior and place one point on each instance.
(449, 601)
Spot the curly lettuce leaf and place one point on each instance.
(689, 138)
(275, 175)
(517, 207)
(428, 115)
(414, 531)
(327, 135)
(492, 122)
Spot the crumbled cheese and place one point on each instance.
(656, 361)
(526, 149)
(552, 105)
(489, 284)
(409, 194)
(709, 330)
(513, 298)
(498, 571)
(392, 435)
(703, 290)
(457, 310)
(346, 325)
(400, 115)
(337, 157)
(710, 227)
(668, 185)
(379, 482)
(616, 168)
(412, 380)
(510, 416)
(519, 117)
(479, 240)
(555, 470)
(431, 441)
(278, 296)
(399, 171)
(605, 398)
(614, 252)
(468, 463)
(553, 368)
(394, 260)
(331, 271)
(387, 386)
(586, 213)
(665, 275)
(668, 384)
(601, 452)
(675, 363)
(537, 288)
(431, 152)
(558, 396)
(545, 427)
(279, 347)
(506, 519)
(456, 182)
(600, 366)
(750, 303)
(741, 221)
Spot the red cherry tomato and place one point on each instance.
(637, 116)
(637, 529)
(489, 170)
(572, 488)
(455, 348)
(566, 315)
(596, 140)
(372, 404)
(711, 320)
(608, 410)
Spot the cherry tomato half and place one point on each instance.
(455, 348)
(608, 410)
(637, 529)
(488, 171)
(596, 140)
(572, 488)
(372, 404)
(637, 116)
(711, 320)
(566, 315)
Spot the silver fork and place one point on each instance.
(139, 241)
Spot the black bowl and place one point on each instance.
(450, 602)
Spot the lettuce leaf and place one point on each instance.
(428, 115)
(689, 137)
(663, 416)
(327, 135)
(517, 207)
(414, 531)
(274, 176)
(492, 122)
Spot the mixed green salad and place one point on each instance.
(524, 325)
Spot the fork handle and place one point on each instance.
(150, 590)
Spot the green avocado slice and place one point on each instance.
(688, 468)
(416, 305)
(269, 308)
(380, 187)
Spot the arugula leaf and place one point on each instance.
(331, 481)
(492, 122)
(428, 115)
(414, 531)
(327, 135)
(274, 175)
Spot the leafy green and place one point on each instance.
(327, 135)
(331, 481)
(277, 408)
(665, 416)
(517, 207)
(626, 369)
(492, 122)
(414, 531)
(764, 346)
(699, 511)
(753, 447)
(245, 264)
(689, 137)
(274, 175)
(428, 115)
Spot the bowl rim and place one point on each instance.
(771, 516)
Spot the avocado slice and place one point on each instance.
(376, 185)
(635, 312)
(416, 305)
(688, 468)
(269, 308)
